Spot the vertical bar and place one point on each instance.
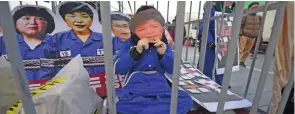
(261, 27)
(53, 7)
(205, 34)
(269, 55)
(96, 6)
(217, 42)
(134, 7)
(119, 4)
(15, 58)
(157, 5)
(230, 55)
(195, 51)
(286, 92)
(177, 55)
(21, 3)
(122, 4)
(188, 29)
(146, 2)
(107, 44)
(36, 3)
(130, 6)
(168, 16)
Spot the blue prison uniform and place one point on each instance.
(147, 93)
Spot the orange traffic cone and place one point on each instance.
(185, 43)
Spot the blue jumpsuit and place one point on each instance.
(63, 46)
(210, 52)
(31, 58)
(147, 93)
(117, 42)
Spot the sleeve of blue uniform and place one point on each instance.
(167, 60)
(124, 61)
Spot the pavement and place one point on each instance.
(239, 78)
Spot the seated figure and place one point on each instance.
(144, 59)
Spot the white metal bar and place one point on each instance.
(134, 7)
(269, 56)
(108, 55)
(53, 7)
(188, 31)
(177, 55)
(205, 35)
(230, 55)
(198, 32)
(261, 27)
(15, 57)
(217, 43)
(157, 5)
(286, 92)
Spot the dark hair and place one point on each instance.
(71, 7)
(93, 4)
(119, 17)
(253, 3)
(35, 11)
(144, 7)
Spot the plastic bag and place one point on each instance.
(8, 89)
(68, 92)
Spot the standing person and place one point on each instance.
(248, 33)
(210, 48)
(120, 27)
(146, 56)
(33, 24)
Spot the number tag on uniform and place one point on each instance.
(100, 52)
(65, 53)
(5, 56)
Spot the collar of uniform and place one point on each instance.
(21, 39)
(92, 36)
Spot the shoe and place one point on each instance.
(242, 64)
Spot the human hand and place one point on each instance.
(161, 46)
(142, 44)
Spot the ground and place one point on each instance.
(239, 79)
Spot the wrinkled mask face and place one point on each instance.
(121, 29)
(31, 25)
(151, 30)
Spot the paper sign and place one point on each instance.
(187, 65)
(204, 90)
(186, 77)
(190, 75)
(229, 23)
(183, 71)
(194, 91)
(182, 83)
(190, 82)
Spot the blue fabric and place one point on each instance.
(117, 42)
(69, 42)
(147, 93)
(210, 52)
(29, 54)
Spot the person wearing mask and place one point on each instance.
(33, 24)
(144, 58)
(210, 48)
(248, 33)
(120, 28)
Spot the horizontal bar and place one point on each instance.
(273, 6)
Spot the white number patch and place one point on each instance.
(65, 53)
(100, 52)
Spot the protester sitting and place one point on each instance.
(144, 58)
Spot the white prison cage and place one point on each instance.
(20, 78)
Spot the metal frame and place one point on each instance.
(189, 26)
(195, 50)
(256, 49)
(108, 55)
(15, 58)
(20, 78)
(177, 55)
(269, 56)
